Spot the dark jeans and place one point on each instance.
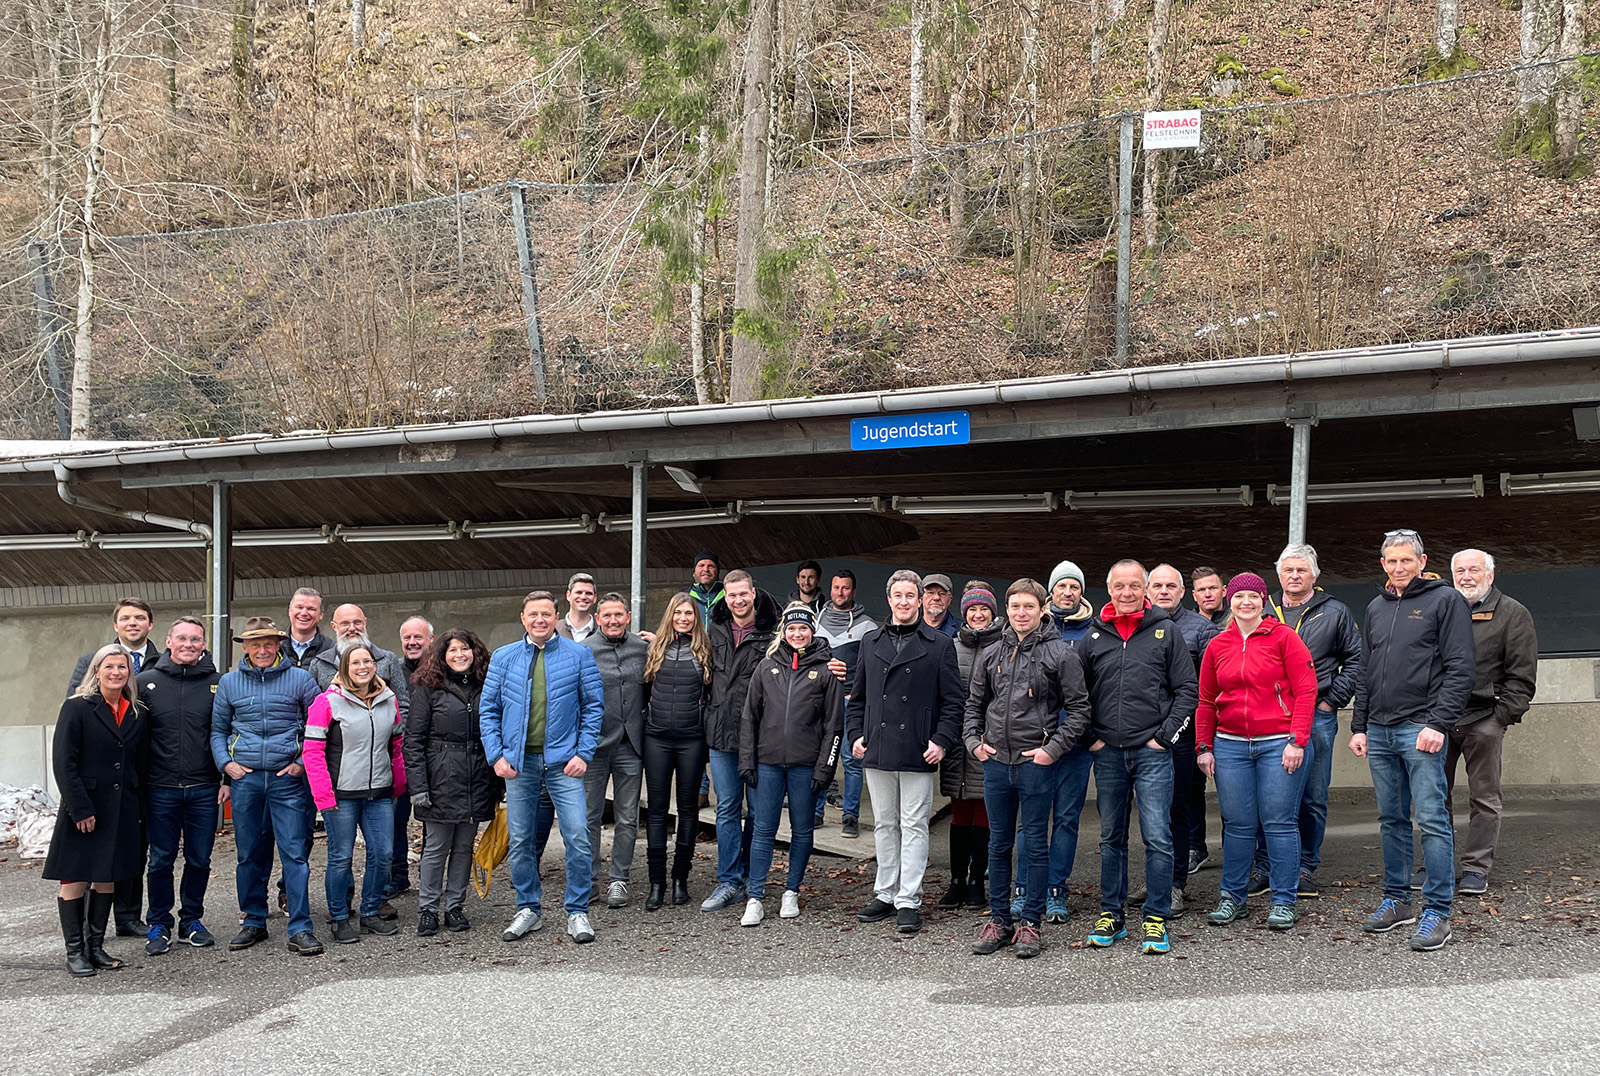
(400, 869)
(772, 782)
(1073, 789)
(665, 760)
(1019, 797)
(1183, 774)
(267, 810)
(376, 821)
(1120, 774)
(190, 815)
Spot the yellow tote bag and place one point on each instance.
(491, 852)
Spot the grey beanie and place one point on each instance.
(1065, 570)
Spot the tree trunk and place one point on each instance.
(918, 105)
(169, 56)
(1568, 91)
(1095, 46)
(704, 390)
(957, 161)
(418, 149)
(1446, 18)
(358, 24)
(107, 27)
(244, 43)
(1156, 81)
(1540, 34)
(1032, 239)
(805, 93)
(749, 353)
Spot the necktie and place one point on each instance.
(536, 702)
(138, 659)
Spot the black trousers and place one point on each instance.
(665, 760)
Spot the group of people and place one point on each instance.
(1007, 702)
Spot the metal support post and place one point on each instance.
(530, 291)
(219, 577)
(641, 508)
(1299, 477)
(1124, 233)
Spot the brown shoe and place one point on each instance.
(388, 911)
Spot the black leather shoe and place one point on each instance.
(345, 932)
(371, 924)
(456, 920)
(427, 924)
(305, 943)
(680, 891)
(955, 896)
(656, 898)
(132, 928)
(907, 920)
(247, 937)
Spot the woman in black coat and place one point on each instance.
(452, 785)
(677, 679)
(101, 755)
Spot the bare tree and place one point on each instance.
(1568, 121)
(1446, 18)
(358, 24)
(750, 352)
(1540, 36)
(97, 84)
(244, 45)
(1156, 81)
(918, 100)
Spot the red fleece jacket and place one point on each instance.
(1263, 685)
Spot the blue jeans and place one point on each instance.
(572, 813)
(400, 867)
(174, 813)
(1401, 774)
(1256, 794)
(376, 820)
(269, 809)
(1019, 797)
(767, 804)
(1314, 803)
(1075, 767)
(734, 829)
(1119, 774)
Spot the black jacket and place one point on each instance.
(1328, 628)
(1025, 694)
(99, 768)
(1143, 689)
(1417, 658)
(677, 699)
(1198, 631)
(179, 699)
(1507, 657)
(961, 775)
(152, 654)
(793, 713)
(733, 667)
(319, 642)
(621, 663)
(903, 698)
(444, 754)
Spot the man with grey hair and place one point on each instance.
(1507, 649)
(579, 623)
(1328, 628)
(904, 712)
(1417, 674)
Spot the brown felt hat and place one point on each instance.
(260, 627)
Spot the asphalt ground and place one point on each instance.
(679, 990)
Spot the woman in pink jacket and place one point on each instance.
(353, 762)
(1258, 688)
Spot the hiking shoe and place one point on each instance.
(1025, 941)
(790, 909)
(1055, 907)
(1260, 885)
(1227, 911)
(754, 912)
(617, 895)
(1390, 914)
(524, 922)
(345, 931)
(1019, 897)
(247, 937)
(427, 924)
(1108, 930)
(992, 936)
(1180, 903)
(386, 911)
(372, 924)
(1308, 889)
(159, 941)
(195, 933)
(1282, 917)
(875, 912)
(1473, 883)
(1155, 936)
(978, 894)
(1433, 930)
(1199, 860)
(850, 827)
(578, 928)
(305, 943)
(907, 920)
(722, 897)
(455, 920)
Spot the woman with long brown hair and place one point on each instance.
(677, 681)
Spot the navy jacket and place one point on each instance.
(1417, 658)
(902, 699)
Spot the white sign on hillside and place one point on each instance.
(1171, 130)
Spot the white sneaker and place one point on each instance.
(525, 921)
(754, 912)
(578, 927)
(791, 905)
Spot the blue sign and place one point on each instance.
(910, 431)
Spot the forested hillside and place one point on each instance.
(775, 197)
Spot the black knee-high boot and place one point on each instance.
(960, 854)
(72, 912)
(978, 890)
(94, 930)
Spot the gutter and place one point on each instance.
(67, 493)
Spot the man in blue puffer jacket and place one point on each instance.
(540, 716)
(258, 724)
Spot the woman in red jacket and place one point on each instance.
(1258, 688)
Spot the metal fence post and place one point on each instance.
(530, 291)
(50, 333)
(1124, 233)
(219, 576)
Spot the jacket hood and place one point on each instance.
(766, 612)
(1153, 614)
(273, 670)
(1083, 612)
(336, 688)
(1046, 631)
(204, 667)
(982, 637)
(818, 653)
(1420, 585)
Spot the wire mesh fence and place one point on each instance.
(1393, 216)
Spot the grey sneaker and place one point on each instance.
(617, 895)
(1180, 903)
(1432, 932)
(1390, 914)
(579, 929)
(1281, 917)
(1199, 860)
(723, 896)
(526, 921)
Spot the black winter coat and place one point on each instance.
(444, 755)
(794, 712)
(99, 769)
(961, 775)
(1026, 694)
(621, 664)
(677, 699)
(1143, 689)
(1328, 628)
(902, 700)
(730, 680)
(179, 699)
(1418, 662)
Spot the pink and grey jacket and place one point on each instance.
(352, 748)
